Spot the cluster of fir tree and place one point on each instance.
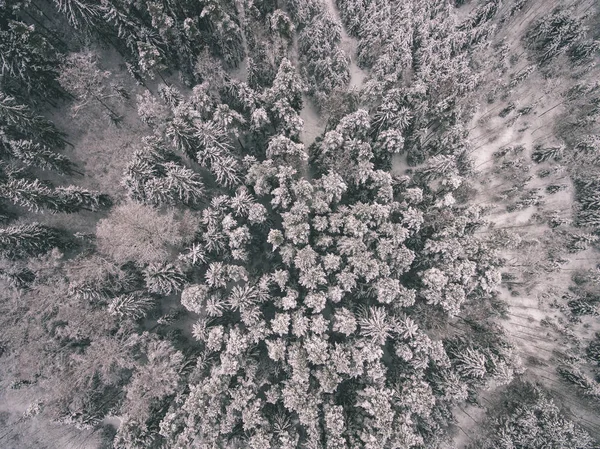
(324, 64)
(310, 282)
(152, 37)
(420, 58)
(269, 38)
(581, 148)
(214, 126)
(528, 417)
(563, 31)
(324, 347)
(30, 145)
(269, 30)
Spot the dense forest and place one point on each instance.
(319, 224)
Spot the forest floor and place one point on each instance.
(535, 322)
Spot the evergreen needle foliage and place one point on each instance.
(322, 227)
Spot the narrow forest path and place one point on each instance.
(314, 122)
(241, 72)
(349, 45)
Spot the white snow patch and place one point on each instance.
(241, 72)
(516, 218)
(314, 124)
(399, 164)
(114, 421)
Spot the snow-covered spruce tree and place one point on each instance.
(529, 418)
(323, 63)
(31, 194)
(319, 345)
(347, 149)
(151, 60)
(73, 199)
(20, 122)
(28, 240)
(35, 195)
(593, 349)
(282, 102)
(555, 33)
(30, 62)
(204, 130)
(573, 374)
(80, 14)
(269, 34)
(164, 279)
(132, 305)
(37, 155)
(29, 139)
(97, 278)
(325, 66)
(157, 176)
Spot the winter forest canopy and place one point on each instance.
(318, 224)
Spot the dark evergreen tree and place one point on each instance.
(37, 155)
(555, 34)
(21, 122)
(26, 240)
(35, 195)
(29, 63)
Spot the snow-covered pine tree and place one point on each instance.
(26, 240)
